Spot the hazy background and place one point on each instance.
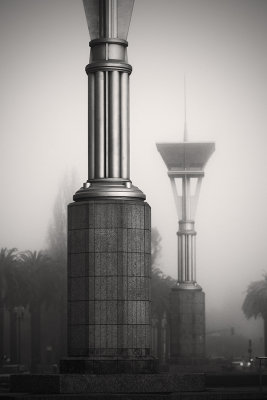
(221, 47)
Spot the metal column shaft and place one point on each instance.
(108, 125)
(186, 252)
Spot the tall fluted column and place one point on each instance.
(108, 102)
(108, 128)
(109, 223)
(186, 252)
(186, 235)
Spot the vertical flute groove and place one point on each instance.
(114, 125)
(184, 199)
(188, 210)
(179, 259)
(183, 258)
(102, 15)
(125, 148)
(115, 19)
(189, 258)
(91, 126)
(108, 4)
(194, 259)
(100, 125)
(186, 257)
(107, 123)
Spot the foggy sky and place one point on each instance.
(220, 45)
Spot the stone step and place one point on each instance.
(108, 383)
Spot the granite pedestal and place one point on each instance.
(142, 384)
(109, 299)
(187, 311)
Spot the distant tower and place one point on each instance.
(185, 162)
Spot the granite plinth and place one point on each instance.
(127, 383)
(220, 394)
(79, 365)
(109, 274)
(187, 311)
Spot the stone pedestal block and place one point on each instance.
(125, 386)
(109, 273)
(187, 325)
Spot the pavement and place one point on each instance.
(210, 393)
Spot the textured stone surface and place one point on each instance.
(219, 394)
(187, 325)
(128, 383)
(128, 362)
(109, 276)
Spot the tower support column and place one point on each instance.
(185, 162)
(186, 253)
(187, 324)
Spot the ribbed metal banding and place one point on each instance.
(186, 257)
(108, 66)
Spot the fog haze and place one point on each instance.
(221, 48)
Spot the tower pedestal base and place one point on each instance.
(83, 365)
(107, 385)
(109, 300)
(187, 340)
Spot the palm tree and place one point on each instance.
(57, 250)
(160, 295)
(8, 294)
(40, 287)
(255, 304)
(160, 283)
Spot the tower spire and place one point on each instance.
(185, 122)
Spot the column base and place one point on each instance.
(187, 325)
(109, 273)
(124, 386)
(83, 365)
(188, 286)
(107, 188)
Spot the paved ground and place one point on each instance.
(211, 393)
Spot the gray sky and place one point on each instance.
(221, 47)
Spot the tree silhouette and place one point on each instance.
(57, 248)
(160, 293)
(10, 296)
(255, 304)
(40, 290)
(160, 283)
(57, 232)
(155, 247)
